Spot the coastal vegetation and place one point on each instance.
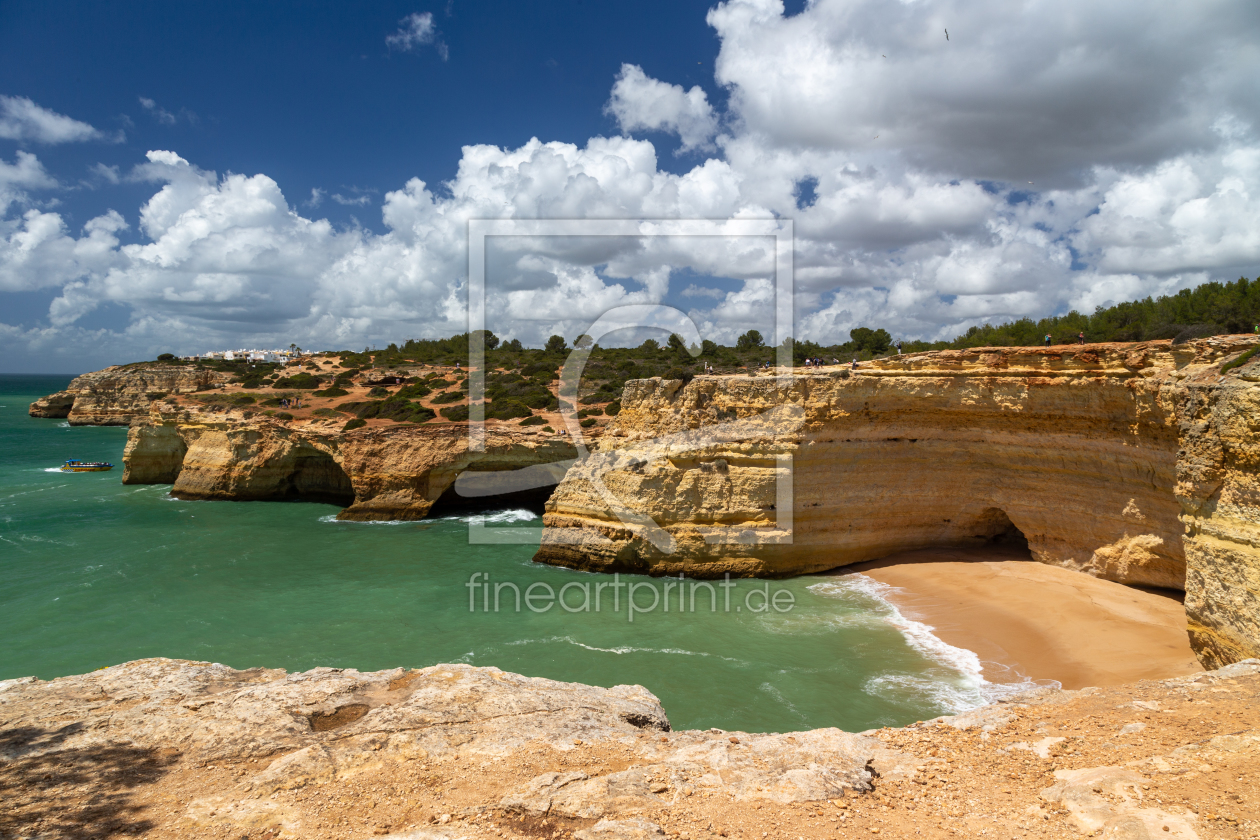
(422, 380)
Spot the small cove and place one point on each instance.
(96, 573)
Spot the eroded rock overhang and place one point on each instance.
(1130, 462)
(377, 473)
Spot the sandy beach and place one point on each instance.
(1027, 619)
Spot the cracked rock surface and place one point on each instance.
(172, 749)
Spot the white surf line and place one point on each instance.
(967, 690)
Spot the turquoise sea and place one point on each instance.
(93, 573)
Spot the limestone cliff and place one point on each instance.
(1218, 487)
(1094, 454)
(380, 473)
(163, 748)
(119, 394)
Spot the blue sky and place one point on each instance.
(311, 94)
(186, 176)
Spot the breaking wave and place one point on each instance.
(955, 683)
(514, 515)
(332, 517)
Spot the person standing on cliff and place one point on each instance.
(1080, 338)
(1047, 339)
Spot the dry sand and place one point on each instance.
(1027, 619)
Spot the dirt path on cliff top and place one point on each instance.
(1028, 619)
(1173, 759)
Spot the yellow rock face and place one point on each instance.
(1094, 454)
(119, 394)
(1217, 486)
(384, 473)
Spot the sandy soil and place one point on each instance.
(1025, 618)
(358, 391)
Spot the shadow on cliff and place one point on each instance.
(74, 792)
(995, 538)
(451, 503)
(997, 551)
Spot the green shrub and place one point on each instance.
(507, 410)
(332, 392)
(378, 391)
(394, 408)
(528, 391)
(546, 368)
(1241, 360)
(298, 380)
(533, 420)
(274, 401)
(588, 422)
(283, 415)
(449, 397)
(356, 423)
(613, 409)
(252, 382)
(456, 413)
(548, 429)
(155, 395)
(326, 412)
(685, 374)
(414, 391)
(243, 399)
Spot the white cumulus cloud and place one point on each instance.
(1135, 124)
(641, 103)
(26, 172)
(23, 120)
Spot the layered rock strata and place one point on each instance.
(1132, 462)
(117, 395)
(379, 473)
(164, 748)
(1218, 488)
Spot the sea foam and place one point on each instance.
(958, 683)
(513, 515)
(332, 517)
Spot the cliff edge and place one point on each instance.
(377, 473)
(1132, 462)
(164, 748)
(119, 394)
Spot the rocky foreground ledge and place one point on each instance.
(165, 748)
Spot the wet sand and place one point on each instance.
(1027, 619)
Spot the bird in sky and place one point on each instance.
(946, 34)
